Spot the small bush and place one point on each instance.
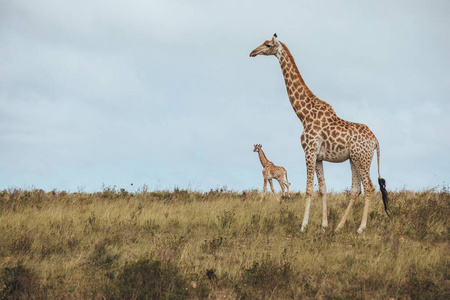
(268, 225)
(212, 245)
(17, 282)
(101, 256)
(424, 212)
(21, 243)
(266, 278)
(290, 222)
(226, 218)
(181, 195)
(420, 286)
(150, 225)
(254, 225)
(148, 279)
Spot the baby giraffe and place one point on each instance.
(271, 171)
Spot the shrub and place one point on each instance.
(101, 256)
(268, 225)
(212, 245)
(421, 287)
(17, 282)
(148, 279)
(266, 278)
(254, 225)
(290, 222)
(226, 218)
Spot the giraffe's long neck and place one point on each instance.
(300, 96)
(263, 158)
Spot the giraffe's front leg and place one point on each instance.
(264, 188)
(273, 190)
(310, 166)
(271, 186)
(323, 192)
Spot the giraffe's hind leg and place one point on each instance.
(363, 168)
(323, 192)
(282, 184)
(355, 192)
(286, 182)
(287, 186)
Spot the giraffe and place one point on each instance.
(326, 137)
(271, 171)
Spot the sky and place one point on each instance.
(160, 95)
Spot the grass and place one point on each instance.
(220, 245)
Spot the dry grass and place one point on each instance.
(220, 244)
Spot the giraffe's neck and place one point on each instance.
(303, 101)
(263, 158)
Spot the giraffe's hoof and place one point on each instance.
(360, 230)
(338, 229)
(303, 229)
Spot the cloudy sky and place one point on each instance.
(163, 94)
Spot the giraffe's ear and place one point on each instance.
(275, 39)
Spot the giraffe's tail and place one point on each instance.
(382, 183)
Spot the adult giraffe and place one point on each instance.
(326, 137)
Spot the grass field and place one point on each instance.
(221, 244)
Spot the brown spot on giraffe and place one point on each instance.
(345, 141)
(334, 133)
(320, 114)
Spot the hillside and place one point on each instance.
(183, 244)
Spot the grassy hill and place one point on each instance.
(221, 244)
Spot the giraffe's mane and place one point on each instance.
(309, 92)
(288, 53)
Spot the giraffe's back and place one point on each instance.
(272, 171)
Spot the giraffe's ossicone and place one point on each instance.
(326, 137)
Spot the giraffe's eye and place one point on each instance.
(268, 46)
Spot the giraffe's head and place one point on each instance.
(257, 147)
(267, 48)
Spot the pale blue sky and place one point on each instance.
(164, 93)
